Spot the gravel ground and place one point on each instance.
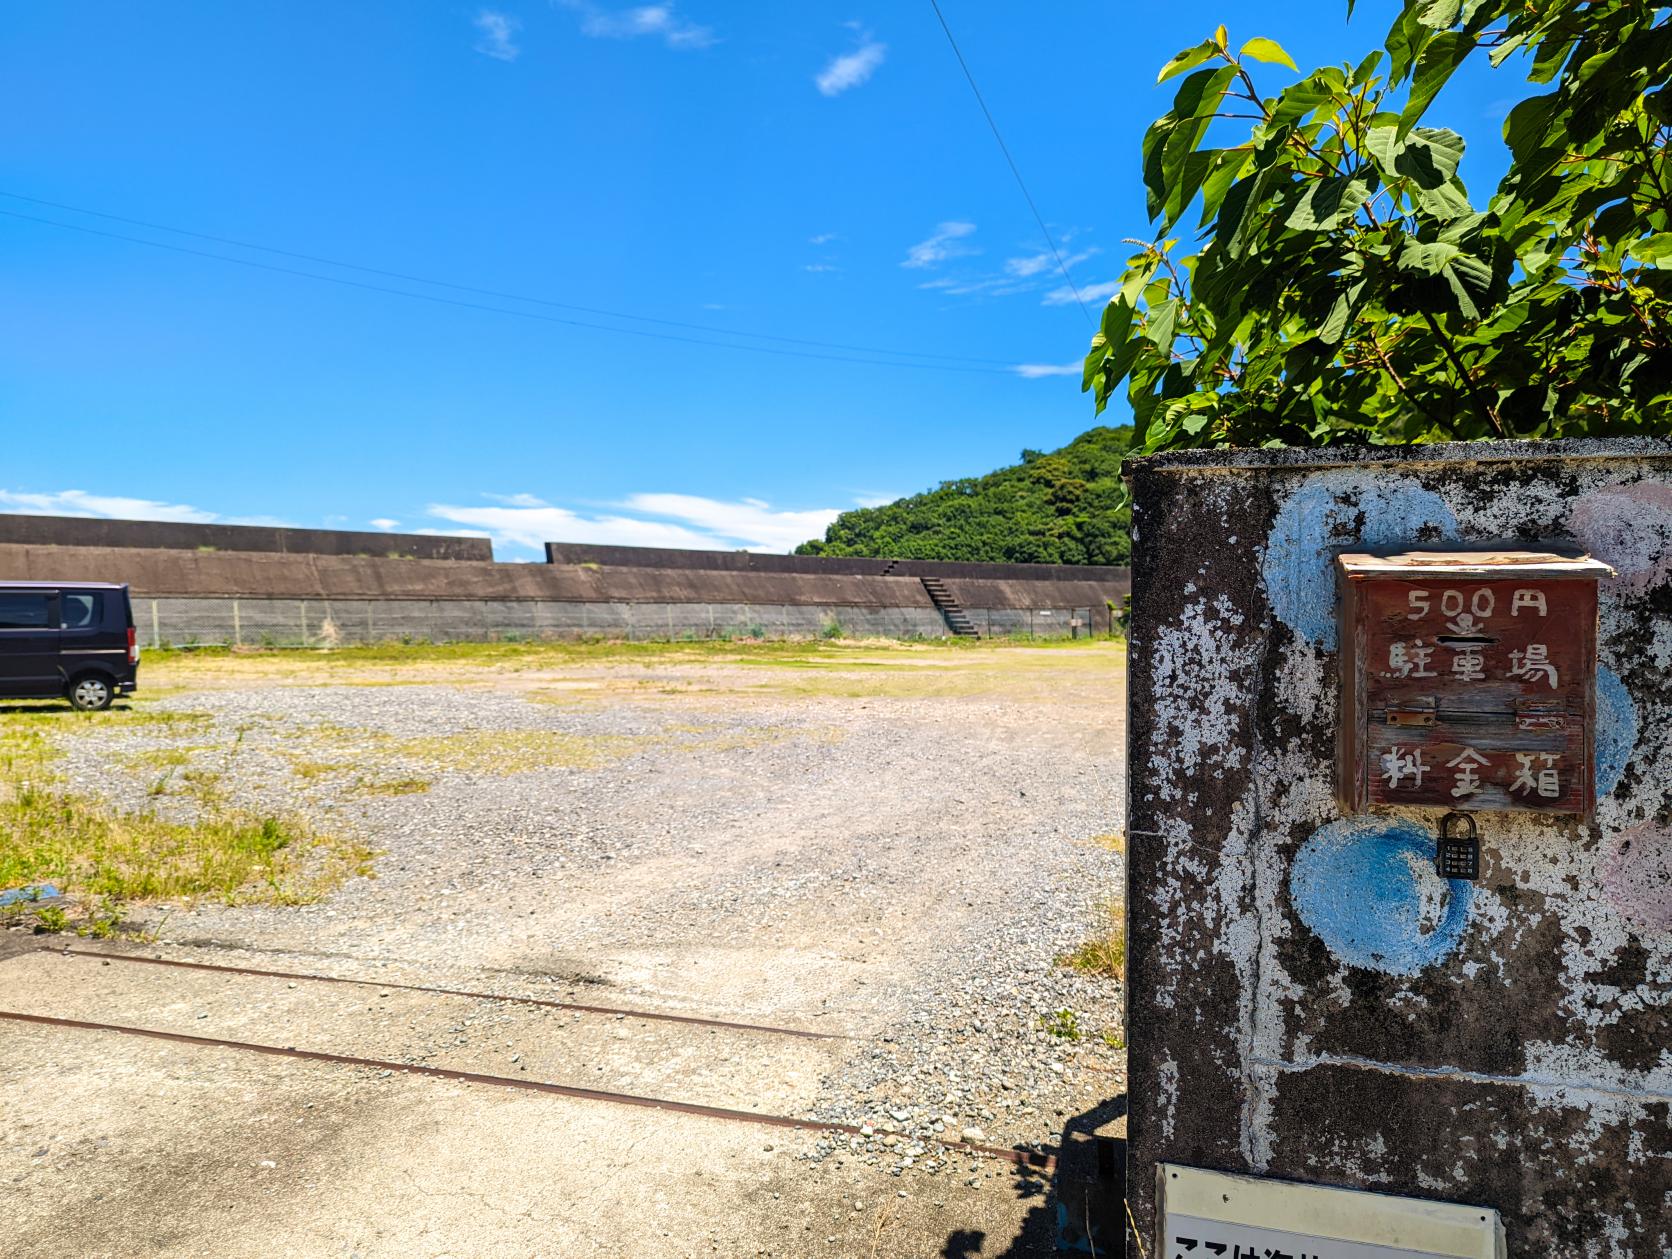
(848, 849)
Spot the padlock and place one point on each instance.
(1457, 855)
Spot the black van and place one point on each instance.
(74, 639)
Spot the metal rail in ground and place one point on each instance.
(450, 992)
(1043, 1162)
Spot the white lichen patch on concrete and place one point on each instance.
(1201, 693)
(1167, 1082)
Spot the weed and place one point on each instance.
(832, 629)
(393, 787)
(1064, 1024)
(103, 922)
(1103, 954)
(204, 786)
(1111, 1038)
(1114, 841)
(167, 758)
(51, 919)
(308, 770)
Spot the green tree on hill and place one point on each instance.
(1064, 507)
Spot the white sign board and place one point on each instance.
(1212, 1215)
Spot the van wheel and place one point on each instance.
(90, 693)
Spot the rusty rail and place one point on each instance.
(450, 992)
(1022, 1158)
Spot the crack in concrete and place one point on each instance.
(1465, 1076)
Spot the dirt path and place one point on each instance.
(889, 847)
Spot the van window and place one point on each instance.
(22, 611)
(81, 608)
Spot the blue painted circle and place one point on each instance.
(1368, 888)
(1331, 510)
(1616, 729)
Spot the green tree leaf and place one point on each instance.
(1346, 287)
(1328, 203)
(1261, 49)
(1189, 59)
(1439, 60)
(1654, 250)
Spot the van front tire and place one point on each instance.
(90, 693)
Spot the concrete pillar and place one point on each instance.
(1308, 999)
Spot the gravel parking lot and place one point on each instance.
(896, 845)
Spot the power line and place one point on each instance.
(996, 370)
(1014, 170)
(495, 293)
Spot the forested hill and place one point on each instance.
(1058, 508)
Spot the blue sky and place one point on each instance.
(810, 171)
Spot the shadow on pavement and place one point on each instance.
(1079, 1207)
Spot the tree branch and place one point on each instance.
(1487, 412)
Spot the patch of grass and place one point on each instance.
(392, 786)
(1104, 954)
(235, 856)
(1064, 1024)
(203, 785)
(172, 757)
(175, 668)
(1111, 1038)
(103, 857)
(308, 770)
(126, 715)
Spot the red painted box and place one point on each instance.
(1468, 680)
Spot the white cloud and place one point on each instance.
(751, 521)
(499, 31)
(876, 500)
(823, 238)
(270, 522)
(110, 507)
(1034, 264)
(987, 286)
(384, 523)
(818, 268)
(518, 500)
(1064, 295)
(851, 69)
(118, 507)
(945, 242)
(1037, 371)
(673, 520)
(655, 20)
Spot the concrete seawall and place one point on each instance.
(284, 598)
(82, 531)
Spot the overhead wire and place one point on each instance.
(995, 369)
(495, 293)
(1014, 169)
